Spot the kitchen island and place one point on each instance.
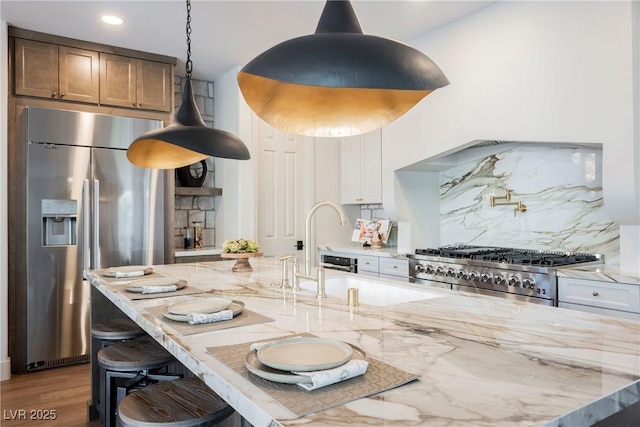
(480, 361)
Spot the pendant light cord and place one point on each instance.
(188, 64)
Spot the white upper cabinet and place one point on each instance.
(361, 168)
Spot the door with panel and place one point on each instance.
(284, 188)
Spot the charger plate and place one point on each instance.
(236, 307)
(138, 285)
(254, 366)
(304, 354)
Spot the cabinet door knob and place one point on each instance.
(62, 95)
(133, 103)
(595, 294)
(54, 94)
(140, 105)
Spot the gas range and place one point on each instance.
(520, 274)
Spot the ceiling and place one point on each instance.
(224, 34)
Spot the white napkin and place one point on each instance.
(121, 274)
(319, 379)
(158, 289)
(198, 318)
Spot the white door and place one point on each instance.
(285, 178)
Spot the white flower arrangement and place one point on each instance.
(240, 245)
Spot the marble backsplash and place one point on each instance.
(561, 188)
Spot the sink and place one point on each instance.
(370, 292)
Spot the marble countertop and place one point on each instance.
(603, 272)
(481, 361)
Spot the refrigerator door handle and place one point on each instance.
(95, 238)
(86, 251)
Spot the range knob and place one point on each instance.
(419, 268)
(473, 276)
(486, 277)
(499, 279)
(429, 269)
(440, 271)
(528, 283)
(514, 281)
(462, 274)
(450, 272)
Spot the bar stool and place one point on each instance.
(116, 330)
(102, 335)
(138, 361)
(186, 402)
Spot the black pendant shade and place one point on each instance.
(185, 141)
(338, 81)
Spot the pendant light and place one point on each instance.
(338, 81)
(187, 139)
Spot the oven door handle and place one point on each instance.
(336, 267)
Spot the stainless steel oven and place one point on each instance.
(348, 264)
(520, 274)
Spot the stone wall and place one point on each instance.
(190, 209)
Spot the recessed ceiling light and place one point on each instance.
(112, 20)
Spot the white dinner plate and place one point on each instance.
(254, 366)
(128, 269)
(204, 306)
(236, 307)
(138, 285)
(304, 354)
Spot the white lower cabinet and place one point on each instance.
(615, 299)
(604, 311)
(394, 268)
(368, 264)
(383, 266)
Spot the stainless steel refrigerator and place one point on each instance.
(87, 208)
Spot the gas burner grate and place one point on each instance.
(509, 255)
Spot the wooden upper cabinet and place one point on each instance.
(47, 70)
(155, 85)
(78, 75)
(117, 80)
(36, 69)
(135, 83)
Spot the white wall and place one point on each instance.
(531, 71)
(5, 365)
(236, 210)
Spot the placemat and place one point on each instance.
(378, 378)
(246, 318)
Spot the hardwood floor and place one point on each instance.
(60, 393)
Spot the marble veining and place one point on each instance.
(561, 187)
(481, 361)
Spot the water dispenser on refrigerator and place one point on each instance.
(59, 222)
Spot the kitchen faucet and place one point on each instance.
(319, 277)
